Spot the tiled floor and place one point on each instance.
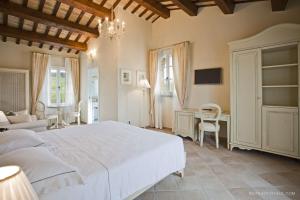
(222, 174)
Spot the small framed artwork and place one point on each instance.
(140, 75)
(126, 78)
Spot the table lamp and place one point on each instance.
(14, 184)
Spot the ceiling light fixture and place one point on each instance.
(111, 27)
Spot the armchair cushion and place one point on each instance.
(19, 119)
(39, 125)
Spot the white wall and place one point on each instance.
(209, 33)
(19, 56)
(123, 102)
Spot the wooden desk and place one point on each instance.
(186, 123)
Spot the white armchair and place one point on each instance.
(40, 113)
(209, 116)
(76, 114)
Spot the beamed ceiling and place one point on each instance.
(67, 25)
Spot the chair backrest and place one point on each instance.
(40, 110)
(210, 112)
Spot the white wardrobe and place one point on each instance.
(265, 91)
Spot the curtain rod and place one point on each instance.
(168, 46)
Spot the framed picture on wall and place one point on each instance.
(140, 75)
(126, 77)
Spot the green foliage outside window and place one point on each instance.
(57, 86)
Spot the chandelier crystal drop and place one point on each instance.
(111, 27)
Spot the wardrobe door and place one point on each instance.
(280, 130)
(247, 102)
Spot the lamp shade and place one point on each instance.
(145, 83)
(14, 184)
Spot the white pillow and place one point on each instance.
(22, 112)
(3, 119)
(19, 119)
(46, 172)
(19, 138)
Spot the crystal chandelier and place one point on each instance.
(111, 28)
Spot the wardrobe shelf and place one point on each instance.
(280, 66)
(280, 86)
(275, 106)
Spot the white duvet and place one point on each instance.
(114, 159)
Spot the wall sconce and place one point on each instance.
(92, 54)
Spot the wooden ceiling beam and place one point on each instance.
(127, 4)
(56, 8)
(279, 5)
(227, 6)
(91, 20)
(40, 38)
(79, 17)
(116, 4)
(135, 9)
(88, 6)
(144, 12)
(5, 21)
(103, 2)
(155, 19)
(149, 16)
(25, 2)
(49, 20)
(155, 7)
(77, 38)
(69, 12)
(41, 5)
(40, 8)
(187, 6)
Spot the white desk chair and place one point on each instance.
(209, 116)
(40, 113)
(76, 114)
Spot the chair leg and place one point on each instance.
(217, 139)
(56, 123)
(201, 138)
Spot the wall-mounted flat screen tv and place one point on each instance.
(208, 76)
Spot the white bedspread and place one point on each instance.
(114, 159)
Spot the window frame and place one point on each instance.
(58, 99)
(169, 82)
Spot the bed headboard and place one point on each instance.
(14, 89)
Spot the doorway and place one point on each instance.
(93, 95)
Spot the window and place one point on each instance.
(166, 74)
(57, 86)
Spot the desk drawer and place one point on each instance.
(184, 124)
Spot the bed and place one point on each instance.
(116, 160)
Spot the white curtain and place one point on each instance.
(73, 65)
(44, 93)
(175, 106)
(70, 96)
(181, 71)
(155, 98)
(39, 69)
